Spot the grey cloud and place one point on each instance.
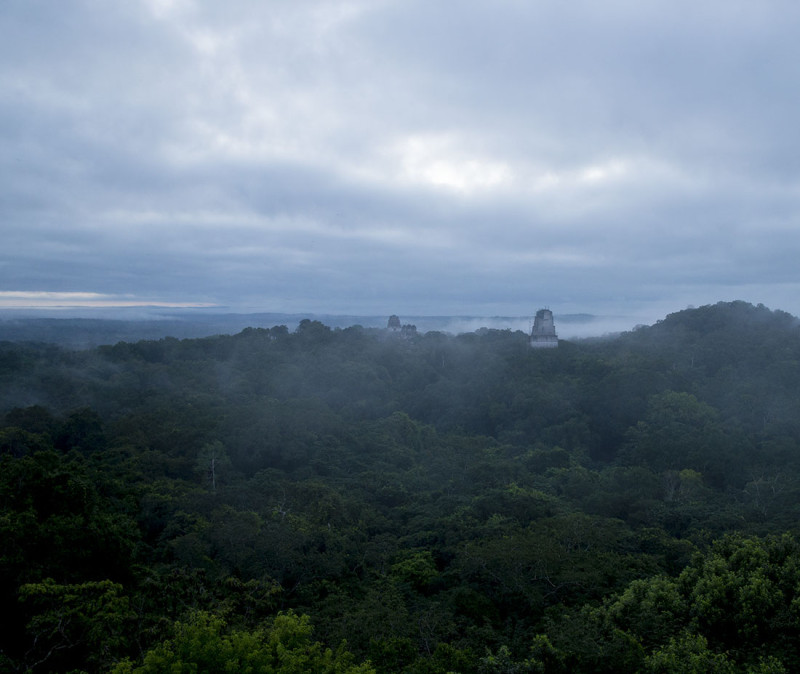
(428, 156)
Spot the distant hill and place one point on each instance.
(715, 335)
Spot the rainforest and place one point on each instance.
(361, 500)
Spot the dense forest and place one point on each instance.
(357, 500)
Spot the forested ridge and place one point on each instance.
(354, 500)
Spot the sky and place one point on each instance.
(455, 157)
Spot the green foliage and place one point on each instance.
(743, 595)
(86, 624)
(205, 644)
(17, 442)
(688, 654)
(441, 503)
(734, 607)
(680, 432)
(417, 570)
(587, 640)
(653, 610)
(502, 662)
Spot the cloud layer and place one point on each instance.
(465, 157)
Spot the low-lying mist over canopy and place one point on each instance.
(387, 501)
(468, 158)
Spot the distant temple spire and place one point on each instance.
(543, 335)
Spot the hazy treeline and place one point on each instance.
(355, 500)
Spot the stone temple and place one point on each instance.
(543, 335)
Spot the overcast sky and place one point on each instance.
(401, 156)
